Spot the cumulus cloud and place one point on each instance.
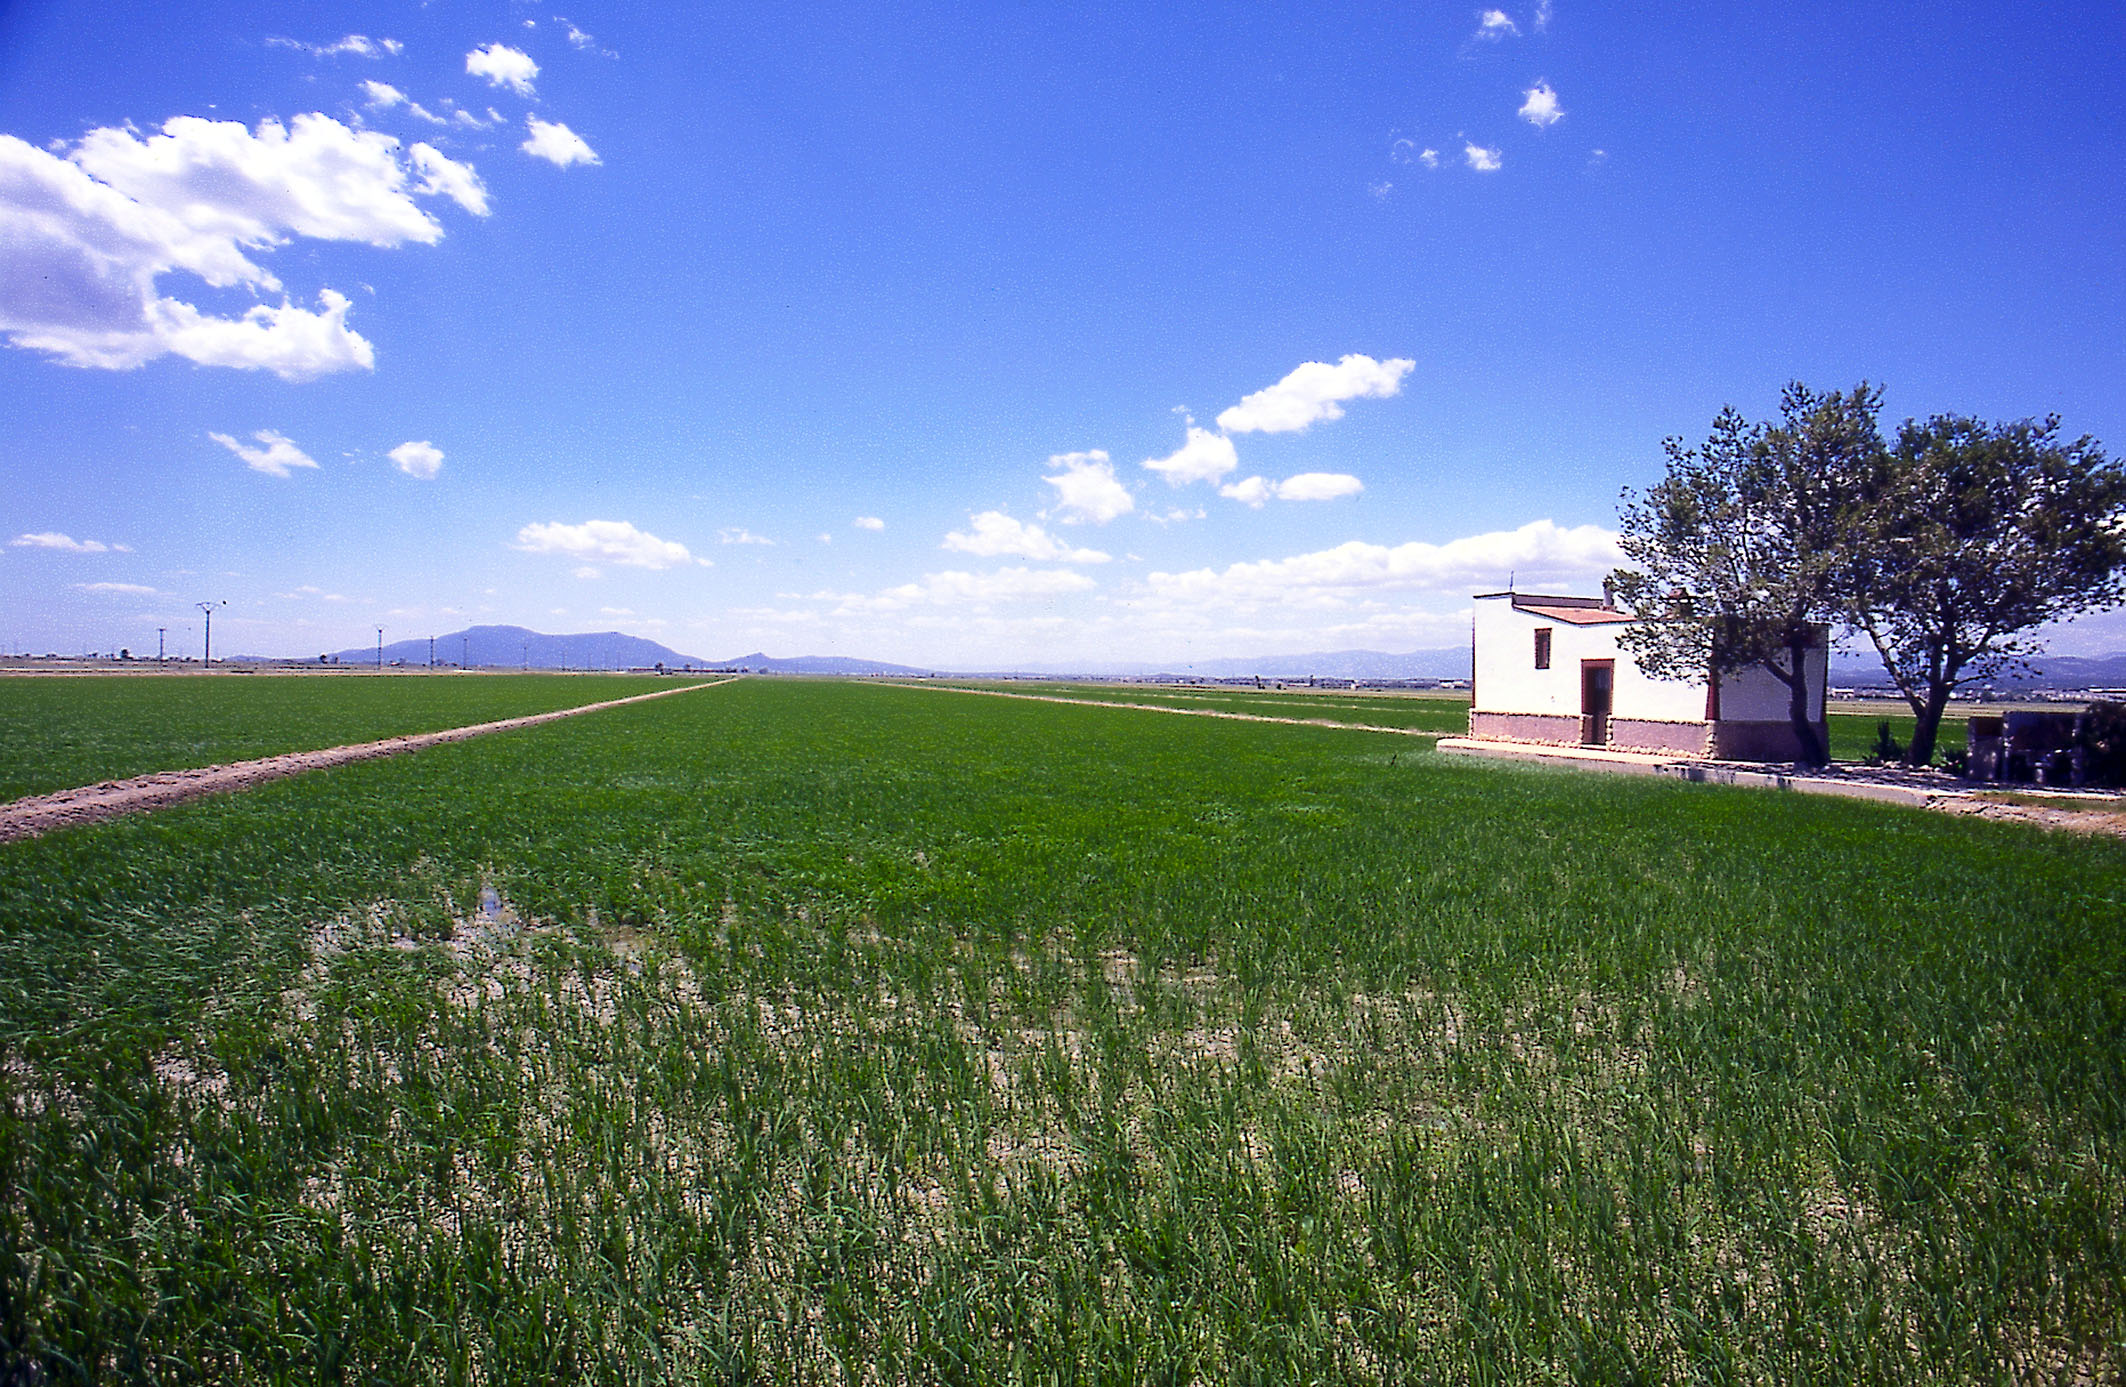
(993, 534)
(1086, 489)
(354, 45)
(1496, 24)
(381, 96)
(1313, 391)
(503, 66)
(954, 588)
(86, 238)
(52, 539)
(557, 144)
(1481, 159)
(1541, 109)
(127, 589)
(868, 522)
(739, 534)
(1542, 15)
(606, 541)
(420, 459)
(1204, 457)
(1539, 549)
(1305, 486)
(276, 455)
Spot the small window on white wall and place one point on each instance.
(1542, 647)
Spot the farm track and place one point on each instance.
(33, 815)
(1186, 712)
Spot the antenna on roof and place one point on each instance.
(1509, 580)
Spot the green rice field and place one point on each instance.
(59, 731)
(808, 1031)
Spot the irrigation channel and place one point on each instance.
(37, 814)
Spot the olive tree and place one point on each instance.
(1967, 536)
(1738, 554)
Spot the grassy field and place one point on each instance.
(60, 731)
(1446, 713)
(827, 1032)
(1854, 732)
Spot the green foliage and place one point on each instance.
(2104, 743)
(1739, 551)
(1887, 747)
(795, 1031)
(57, 732)
(1970, 535)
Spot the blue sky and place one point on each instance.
(853, 329)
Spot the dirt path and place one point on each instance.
(36, 814)
(1184, 712)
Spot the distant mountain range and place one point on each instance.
(514, 647)
(506, 647)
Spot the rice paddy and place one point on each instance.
(808, 1031)
(60, 731)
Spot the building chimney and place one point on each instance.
(1609, 592)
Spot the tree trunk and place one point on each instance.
(1928, 727)
(1813, 751)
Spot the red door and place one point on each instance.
(1597, 678)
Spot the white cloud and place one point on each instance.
(1086, 489)
(609, 541)
(1539, 550)
(997, 535)
(503, 66)
(577, 38)
(381, 96)
(868, 522)
(1205, 457)
(557, 144)
(1318, 486)
(1542, 15)
(129, 589)
(442, 174)
(1406, 151)
(1481, 159)
(1496, 24)
(1380, 188)
(1541, 109)
(420, 459)
(738, 534)
(85, 238)
(954, 588)
(52, 539)
(1305, 486)
(616, 611)
(279, 457)
(1314, 391)
(354, 45)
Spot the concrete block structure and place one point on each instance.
(1548, 670)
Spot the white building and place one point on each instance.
(1548, 670)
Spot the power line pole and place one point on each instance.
(206, 655)
(379, 650)
(431, 652)
(465, 651)
(159, 642)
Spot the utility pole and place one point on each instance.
(379, 650)
(527, 657)
(431, 652)
(465, 652)
(206, 656)
(158, 643)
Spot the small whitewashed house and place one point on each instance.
(1548, 669)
